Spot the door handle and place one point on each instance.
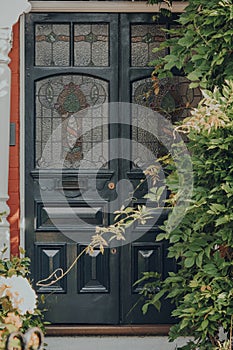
(111, 185)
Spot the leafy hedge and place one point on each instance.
(202, 243)
(202, 44)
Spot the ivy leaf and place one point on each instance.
(194, 76)
(145, 308)
(189, 262)
(161, 236)
(204, 325)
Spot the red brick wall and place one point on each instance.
(14, 200)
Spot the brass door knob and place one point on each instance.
(111, 185)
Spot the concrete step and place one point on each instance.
(112, 343)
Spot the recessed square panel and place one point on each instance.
(146, 257)
(93, 272)
(73, 217)
(50, 258)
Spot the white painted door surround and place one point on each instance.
(9, 15)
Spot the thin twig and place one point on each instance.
(42, 283)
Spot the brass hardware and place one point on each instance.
(111, 185)
(70, 184)
(113, 251)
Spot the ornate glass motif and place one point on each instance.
(71, 99)
(91, 45)
(172, 98)
(52, 45)
(144, 38)
(63, 140)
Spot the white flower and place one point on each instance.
(20, 293)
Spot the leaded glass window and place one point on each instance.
(66, 129)
(144, 38)
(87, 45)
(173, 99)
(52, 45)
(91, 45)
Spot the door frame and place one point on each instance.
(103, 6)
(80, 6)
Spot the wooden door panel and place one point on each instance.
(94, 274)
(76, 61)
(143, 254)
(71, 64)
(71, 216)
(50, 257)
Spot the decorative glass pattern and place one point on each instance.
(145, 144)
(172, 98)
(66, 129)
(91, 45)
(52, 45)
(144, 38)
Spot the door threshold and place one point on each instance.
(105, 330)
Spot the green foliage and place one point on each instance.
(202, 243)
(14, 266)
(201, 44)
(13, 317)
(150, 284)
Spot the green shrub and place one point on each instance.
(201, 45)
(202, 243)
(18, 301)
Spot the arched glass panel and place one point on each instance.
(170, 97)
(65, 132)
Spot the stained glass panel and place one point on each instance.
(91, 45)
(144, 38)
(66, 129)
(52, 45)
(170, 97)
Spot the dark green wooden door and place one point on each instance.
(75, 63)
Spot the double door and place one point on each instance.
(84, 156)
